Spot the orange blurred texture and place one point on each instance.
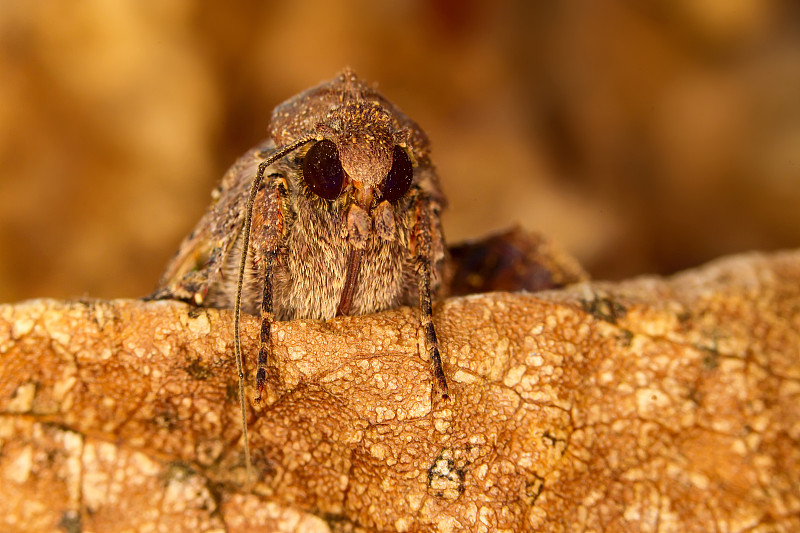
(643, 135)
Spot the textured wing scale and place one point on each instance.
(198, 264)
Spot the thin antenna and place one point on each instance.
(237, 309)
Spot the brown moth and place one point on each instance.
(336, 213)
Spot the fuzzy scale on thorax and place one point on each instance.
(310, 279)
(311, 263)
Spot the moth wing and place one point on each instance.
(199, 261)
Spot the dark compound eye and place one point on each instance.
(322, 171)
(398, 180)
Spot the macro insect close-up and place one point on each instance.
(337, 213)
(559, 291)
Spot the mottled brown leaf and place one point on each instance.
(649, 405)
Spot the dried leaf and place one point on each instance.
(653, 404)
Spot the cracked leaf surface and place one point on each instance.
(648, 405)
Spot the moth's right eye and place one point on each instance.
(322, 171)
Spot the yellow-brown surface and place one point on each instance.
(648, 405)
(644, 136)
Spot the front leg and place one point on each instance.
(425, 258)
(269, 229)
(267, 319)
(265, 212)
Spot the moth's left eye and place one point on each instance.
(322, 171)
(397, 182)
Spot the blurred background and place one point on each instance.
(643, 135)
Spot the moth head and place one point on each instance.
(329, 171)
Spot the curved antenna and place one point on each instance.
(237, 309)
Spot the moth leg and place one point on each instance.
(271, 209)
(267, 319)
(269, 217)
(424, 258)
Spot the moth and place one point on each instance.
(336, 213)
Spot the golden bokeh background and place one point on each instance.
(643, 135)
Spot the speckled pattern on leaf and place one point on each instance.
(648, 405)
